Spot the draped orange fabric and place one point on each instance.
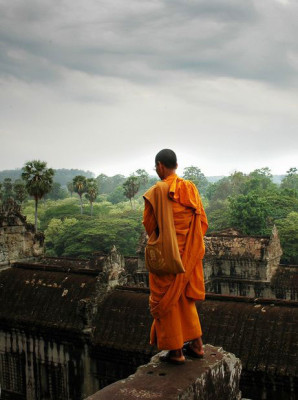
(172, 297)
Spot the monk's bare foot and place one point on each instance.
(197, 346)
(173, 357)
(176, 355)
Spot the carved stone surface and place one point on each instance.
(47, 312)
(17, 238)
(216, 376)
(237, 264)
(236, 255)
(52, 319)
(112, 273)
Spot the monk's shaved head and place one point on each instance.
(167, 157)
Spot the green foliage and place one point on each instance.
(218, 214)
(7, 189)
(29, 211)
(80, 187)
(54, 231)
(67, 208)
(20, 191)
(290, 181)
(16, 190)
(117, 195)
(91, 189)
(288, 230)
(39, 181)
(57, 192)
(218, 209)
(70, 234)
(62, 176)
(238, 183)
(280, 203)
(38, 178)
(108, 183)
(249, 213)
(131, 187)
(13, 174)
(219, 190)
(259, 180)
(252, 203)
(91, 192)
(79, 184)
(195, 175)
(70, 187)
(143, 177)
(88, 235)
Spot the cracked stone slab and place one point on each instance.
(216, 376)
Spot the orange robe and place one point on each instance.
(172, 297)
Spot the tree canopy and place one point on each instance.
(195, 175)
(251, 202)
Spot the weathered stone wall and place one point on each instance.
(18, 241)
(273, 254)
(241, 268)
(237, 288)
(283, 285)
(216, 376)
(36, 367)
(223, 245)
(237, 265)
(112, 273)
(46, 326)
(229, 253)
(248, 257)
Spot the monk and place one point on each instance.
(172, 296)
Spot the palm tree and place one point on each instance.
(79, 186)
(131, 187)
(92, 191)
(39, 181)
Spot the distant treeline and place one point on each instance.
(108, 183)
(62, 176)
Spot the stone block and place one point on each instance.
(216, 376)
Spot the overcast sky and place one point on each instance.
(104, 84)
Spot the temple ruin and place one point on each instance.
(238, 265)
(62, 337)
(18, 241)
(69, 327)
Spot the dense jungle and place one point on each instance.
(80, 213)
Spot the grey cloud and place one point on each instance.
(217, 9)
(143, 41)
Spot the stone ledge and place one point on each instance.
(216, 376)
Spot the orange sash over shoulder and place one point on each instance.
(191, 225)
(162, 254)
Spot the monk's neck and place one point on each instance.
(170, 174)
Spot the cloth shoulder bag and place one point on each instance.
(162, 252)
